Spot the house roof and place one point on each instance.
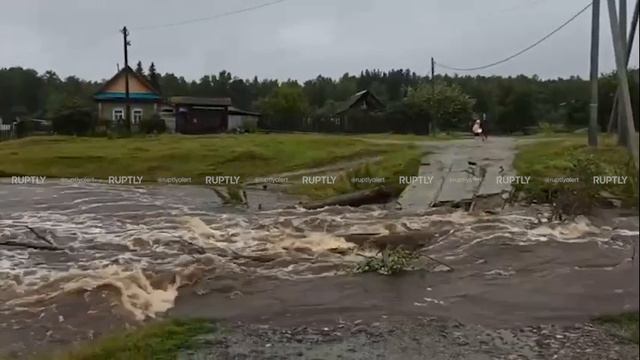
(139, 77)
(236, 111)
(355, 99)
(201, 101)
(118, 96)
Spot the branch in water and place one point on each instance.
(40, 236)
(438, 261)
(30, 246)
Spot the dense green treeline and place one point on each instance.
(510, 103)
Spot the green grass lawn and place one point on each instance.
(179, 156)
(554, 158)
(160, 341)
(196, 157)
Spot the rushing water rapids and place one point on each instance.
(131, 250)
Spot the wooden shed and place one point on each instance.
(199, 115)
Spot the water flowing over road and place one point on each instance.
(134, 253)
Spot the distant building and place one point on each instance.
(362, 102)
(168, 115)
(144, 99)
(198, 115)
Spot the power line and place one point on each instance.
(208, 18)
(521, 51)
(522, 6)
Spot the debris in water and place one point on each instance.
(442, 268)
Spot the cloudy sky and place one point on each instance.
(299, 39)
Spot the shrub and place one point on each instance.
(153, 125)
(547, 128)
(24, 127)
(389, 263)
(579, 197)
(630, 188)
(73, 121)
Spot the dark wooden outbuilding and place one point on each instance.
(362, 103)
(196, 115)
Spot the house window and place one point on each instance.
(118, 114)
(136, 116)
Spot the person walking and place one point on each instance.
(485, 127)
(477, 130)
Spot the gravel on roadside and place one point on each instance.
(408, 339)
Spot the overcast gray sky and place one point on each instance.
(299, 39)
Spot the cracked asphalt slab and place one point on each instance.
(462, 170)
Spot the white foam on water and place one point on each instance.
(317, 242)
(499, 273)
(625, 232)
(576, 228)
(136, 293)
(136, 232)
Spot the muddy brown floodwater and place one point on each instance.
(132, 254)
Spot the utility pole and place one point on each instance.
(433, 92)
(595, 51)
(127, 113)
(623, 135)
(433, 76)
(623, 81)
(631, 39)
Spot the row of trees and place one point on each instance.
(510, 103)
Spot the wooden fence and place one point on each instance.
(7, 132)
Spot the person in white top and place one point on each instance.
(477, 129)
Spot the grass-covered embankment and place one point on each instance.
(178, 156)
(624, 326)
(571, 158)
(196, 157)
(160, 341)
(405, 161)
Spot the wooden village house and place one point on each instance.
(181, 114)
(144, 99)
